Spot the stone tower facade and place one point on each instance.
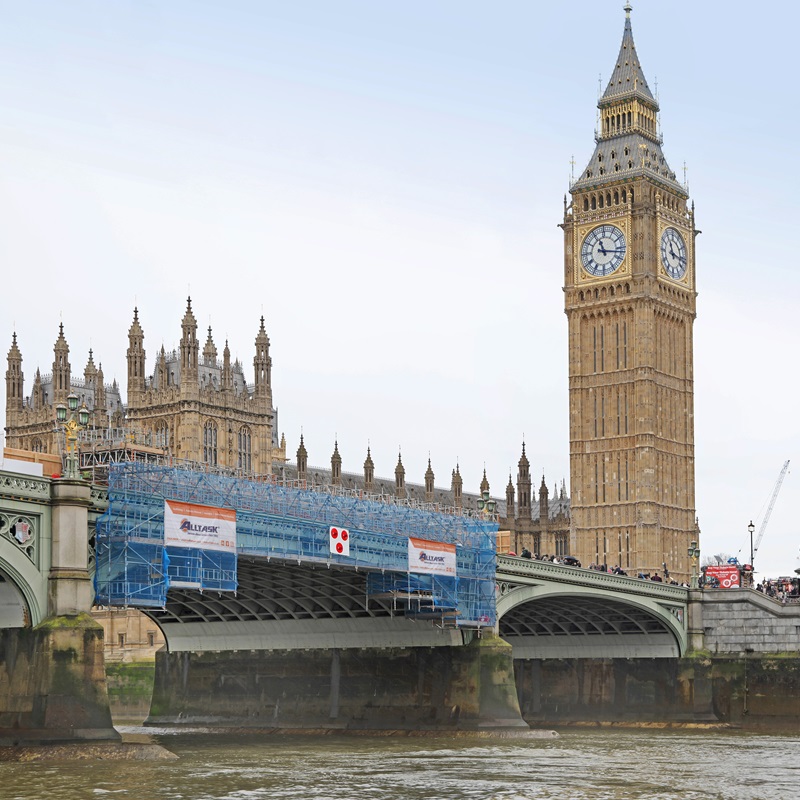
(192, 407)
(629, 283)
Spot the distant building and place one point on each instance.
(192, 406)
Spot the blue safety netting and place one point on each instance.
(285, 522)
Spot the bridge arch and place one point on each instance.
(557, 620)
(23, 599)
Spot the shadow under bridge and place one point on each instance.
(546, 610)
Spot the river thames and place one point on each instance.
(580, 763)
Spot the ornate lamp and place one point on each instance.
(72, 420)
(694, 554)
(486, 504)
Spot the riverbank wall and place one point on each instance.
(407, 691)
(758, 691)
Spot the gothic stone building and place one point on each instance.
(629, 289)
(192, 407)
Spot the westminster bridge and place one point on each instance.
(300, 622)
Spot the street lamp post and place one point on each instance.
(694, 554)
(486, 504)
(751, 528)
(72, 420)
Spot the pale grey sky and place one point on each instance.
(383, 181)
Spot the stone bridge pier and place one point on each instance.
(52, 671)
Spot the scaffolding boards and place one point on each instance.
(286, 522)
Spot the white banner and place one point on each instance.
(204, 527)
(434, 558)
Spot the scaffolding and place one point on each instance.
(285, 521)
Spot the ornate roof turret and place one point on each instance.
(61, 368)
(457, 486)
(336, 465)
(484, 482)
(189, 349)
(628, 142)
(302, 460)
(14, 377)
(429, 478)
(90, 371)
(523, 464)
(99, 388)
(135, 331)
(510, 497)
(210, 350)
(136, 355)
(369, 472)
(262, 363)
(37, 399)
(400, 477)
(14, 353)
(227, 375)
(189, 320)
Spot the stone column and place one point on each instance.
(694, 620)
(70, 589)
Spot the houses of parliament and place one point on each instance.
(629, 297)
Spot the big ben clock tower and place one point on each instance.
(629, 287)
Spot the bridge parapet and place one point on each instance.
(744, 621)
(524, 570)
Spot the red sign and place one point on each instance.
(726, 574)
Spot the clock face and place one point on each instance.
(673, 253)
(603, 250)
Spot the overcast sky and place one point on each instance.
(383, 182)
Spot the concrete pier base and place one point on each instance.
(422, 688)
(53, 684)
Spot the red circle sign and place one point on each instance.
(334, 533)
(339, 547)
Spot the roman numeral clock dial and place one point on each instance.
(673, 253)
(603, 250)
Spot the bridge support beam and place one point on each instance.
(415, 688)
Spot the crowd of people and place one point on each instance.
(785, 590)
(571, 561)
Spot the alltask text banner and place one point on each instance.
(204, 527)
(433, 558)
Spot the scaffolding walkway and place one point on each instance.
(289, 523)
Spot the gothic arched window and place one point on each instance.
(36, 446)
(162, 435)
(245, 449)
(210, 443)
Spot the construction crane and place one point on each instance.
(751, 527)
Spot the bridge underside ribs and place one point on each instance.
(277, 591)
(585, 627)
